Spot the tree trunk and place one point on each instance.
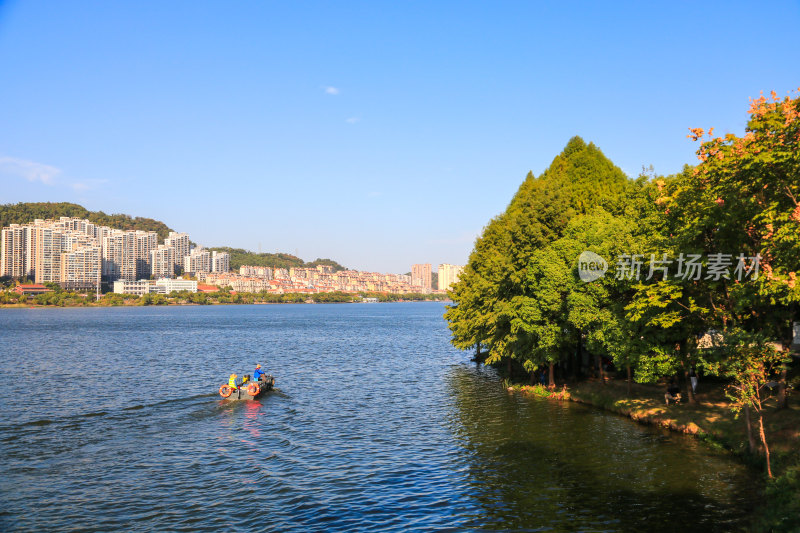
(751, 441)
(600, 369)
(783, 398)
(508, 367)
(689, 389)
(629, 379)
(764, 442)
(684, 357)
(552, 378)
(533, 377)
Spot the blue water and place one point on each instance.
(111, 421)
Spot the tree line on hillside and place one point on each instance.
(701, 266)
(240, 256)
(27, 212)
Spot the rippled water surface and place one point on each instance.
(111, 421)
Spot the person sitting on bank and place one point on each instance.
(258, 373)
(232, 381)
(673, 392)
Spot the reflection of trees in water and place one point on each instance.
(560, 466)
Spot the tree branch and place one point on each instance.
(790, 195)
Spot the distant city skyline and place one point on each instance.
(378, 135)
(80, 255)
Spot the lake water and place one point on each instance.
(111, 421)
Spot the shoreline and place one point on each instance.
(712, 422)
(194, 304)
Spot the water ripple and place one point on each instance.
(377, 424)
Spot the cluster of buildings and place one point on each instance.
(421, 275)
(309, 280)
(324, 279)
(78, 254)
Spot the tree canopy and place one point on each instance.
(512, 295)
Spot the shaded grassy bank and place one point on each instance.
(711, 420)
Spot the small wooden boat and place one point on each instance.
(247, 391)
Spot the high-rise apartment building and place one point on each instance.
(198, 260)
(113, 244)
(13, 260)
(48, 253)
(144, 243)
(220, 261)
(80, 268)
(421, 275)
(180, 242)
(448, 274)
(30, 248)
(162, 262)
(76, 226)
(126, 254)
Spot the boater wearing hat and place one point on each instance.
(258, 373)
(232, 381)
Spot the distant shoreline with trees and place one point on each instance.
(62, 298)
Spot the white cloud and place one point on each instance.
(86, 185)
(331, 90)
(352, 120)
(30, 170)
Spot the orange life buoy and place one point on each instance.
(225, 391)
(253, 389)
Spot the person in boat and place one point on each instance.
(258, 373)
(232, 381)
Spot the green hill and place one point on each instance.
(241, 257)
(27, 212)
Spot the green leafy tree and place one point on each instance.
(752, 365)
(742, 200)
(500, 300)
(477, 294)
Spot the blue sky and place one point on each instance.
(379, 134)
